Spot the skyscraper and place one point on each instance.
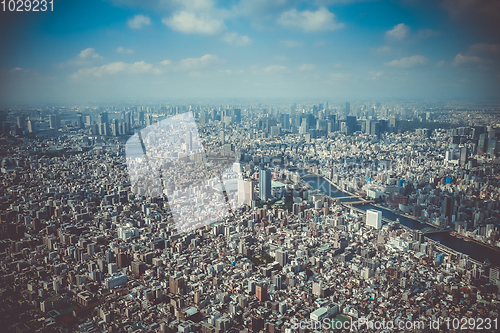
(265, 184)
(246, 191)
(347, 108)
(261, 292)
(351, 124)
(282, 257)
(103, 118)
(374, 218)
(79, 120)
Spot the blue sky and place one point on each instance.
(121, 50)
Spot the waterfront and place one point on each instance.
(474, 250)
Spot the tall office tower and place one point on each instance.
(31, 126)
(88, 120)
(261, 292)
(115, 129)
(103, 118)
(237, 168)
(285, 121)
(237, 116)
(138, 268)
(109, 256)
(21, 122)
(448, 207)
(347, 108)
(375, 128)
(351, 124)
(368, 126)
(265, 184)
(492, 147)
(304, 126)
(282, 257)
(189, 142)
(176, 285)
(374, 218)
(277, 281)
(222, 137)
(482, 144)
(392, 124)
(53, 121)
(464, 152)
(79, 120)
(246, 190)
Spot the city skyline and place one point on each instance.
(102, 51)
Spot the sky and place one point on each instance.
(166, 50)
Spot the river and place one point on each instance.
(474, 250)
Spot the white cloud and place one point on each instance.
(290, 43)
(461, 59)
(124, 51)
(399, 32)
(307, 67)
(86, 57)
(138, 22)
(194, 23)
(140, 67)
(166, 62)
(235, 39)
(441, 63)
(89, 53)
(407, 62)
(195, 63)
(309, 21)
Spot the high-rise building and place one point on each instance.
(21, 122)
(88, 120)
(138, 268)
(103, 118)
(463, 155)
(176, 285)
(277, 281)
(54, 121)
(79, 120)
(246, 189)
(282, 257)
(237, 115)
(351, 124)
(285, 121)
(374, 218)
(347, 108)
(482, 144)
(265, 184)
(261, 292)
(31, 126)
(448, 207)
(492, 147)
